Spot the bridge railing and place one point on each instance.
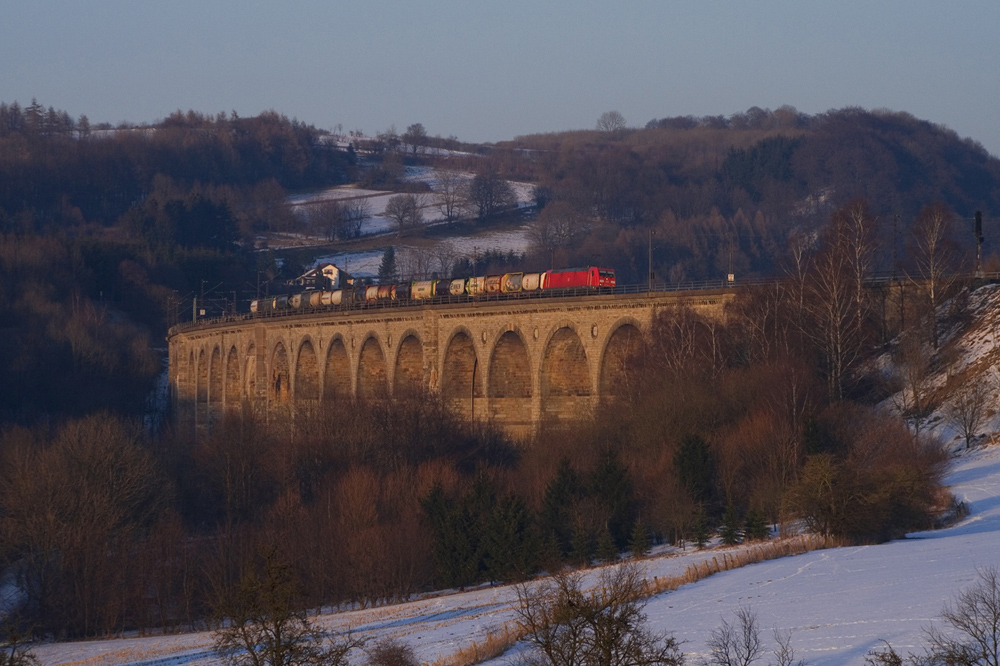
(360, 305)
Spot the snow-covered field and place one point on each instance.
(419, 261)
(841, 603)
(837, 603)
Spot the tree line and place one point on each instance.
(57, 173)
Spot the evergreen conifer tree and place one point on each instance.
(607, 551)
(510, 544)
(730, 531)
(756, 528)
(701, 533)
(639, 543)
(583, 547)
(611, 486)
(387, 272)
(556, 516)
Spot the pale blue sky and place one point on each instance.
(489, 71)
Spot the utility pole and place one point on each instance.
(650, 259)
(895, 244)
(979, 243)
(895, 267)
(730, 278)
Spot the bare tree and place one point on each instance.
(936, 258)
(356, 213)
(489, 194)
(974, 637)
(832, 292)
(415, 262)
(832, 321)
(558, 226)
(802, 249)
(404, 211)
(737, 643)
(974, 618)
(415, 137)
(328, 218)
(450, 194)
(912, 361)
(263, 625)
(612, 123)
(70, 512)
(444, 257)
(967, 409)
(884, 656)
(606, 626)
(387, 141)
(856, 226)
(784, 655)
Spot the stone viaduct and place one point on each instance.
(519, 361)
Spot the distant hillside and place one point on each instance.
(744, 182)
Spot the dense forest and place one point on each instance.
(719, 193)
(105, 233)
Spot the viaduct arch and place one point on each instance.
(519, 362)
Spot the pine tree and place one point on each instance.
(701, 533)
(510, 544)
(387, 269)
(756, 528)
(730, 531)
(611, 486)
(607, 551)
(639, 543)
(583, 547)
(456, 538)
(550, 557)
(557, 508)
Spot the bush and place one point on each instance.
(262, 624)
(391, 652)
(885, 484)
(603, 627)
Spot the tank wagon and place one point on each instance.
(590, 278)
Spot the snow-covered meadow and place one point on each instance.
(416, 259)
(422, 260)
(838, 603)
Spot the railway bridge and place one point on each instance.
(519, 362)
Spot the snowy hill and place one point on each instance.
(957, 386)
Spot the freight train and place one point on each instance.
(513, 284)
